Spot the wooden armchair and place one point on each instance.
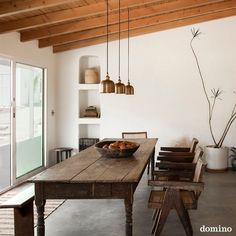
(176, 170)
(182, 149)
(133, 135)
(178, 154)
(179, 195)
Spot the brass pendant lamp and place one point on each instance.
(107, 85)
(119, 87)
(129, 89)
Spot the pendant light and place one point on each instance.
(129, 89)
(119, 87)
(107, 85)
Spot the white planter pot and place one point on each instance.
(217, 158)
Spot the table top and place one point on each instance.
(88, 166)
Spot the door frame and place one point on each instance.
(14, 181)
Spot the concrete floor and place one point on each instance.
(217, 206)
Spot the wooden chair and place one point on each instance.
(182, 149)
(134, 135)
(178, 154)
(177, 170)
(179, 195)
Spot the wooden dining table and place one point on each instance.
(88, 175)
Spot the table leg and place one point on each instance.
(40, 210)
(129, 220)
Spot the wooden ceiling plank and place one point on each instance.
(67, 15)
(113, 18)
(143, 22)
(146, 30)
(49, 18)
(18, 6)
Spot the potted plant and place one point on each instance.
(233, 158)
(216, 154)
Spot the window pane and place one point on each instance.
(29, 118)
(5, 127)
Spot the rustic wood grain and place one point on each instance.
(22, 203)
(73, 24)
(146, 18)
(88, 175)
(170, 24)
(177, 195)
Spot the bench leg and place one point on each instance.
(58, 157)
(24, 220)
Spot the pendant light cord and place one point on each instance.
(119, 39)
(107, 37)
(128, 44)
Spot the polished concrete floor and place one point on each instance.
(217, 206)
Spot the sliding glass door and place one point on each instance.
(28, 118)
(5, 123)
(21, 121)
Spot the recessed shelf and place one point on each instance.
(88, 62)
(88, 98)
(88, 95)
(87, 120)
(88, 86)
(89, 130)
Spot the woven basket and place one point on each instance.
(91, 76)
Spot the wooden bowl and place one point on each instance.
(115, 153)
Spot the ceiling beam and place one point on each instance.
(67, 15)
(49, 18)
(146, 30)
(139, 23)
(18, 6)
(99, 21)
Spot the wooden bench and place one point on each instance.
(22, 203)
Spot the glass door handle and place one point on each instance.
(13, 106)
(14, 113)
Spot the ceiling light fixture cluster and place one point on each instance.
(107, 85)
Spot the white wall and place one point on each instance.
(29, 53)
(169, 102)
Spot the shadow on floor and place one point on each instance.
(217, 206)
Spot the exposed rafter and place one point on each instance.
(18, 6)
(66, 15)
(70, 24)
(145, 30)
(53, 17)
(149, 9)
(145, 21)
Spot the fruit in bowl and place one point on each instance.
(120, 145)
(116, 148)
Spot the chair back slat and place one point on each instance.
(198, 171)
(197, 155)
(193, 145)
(134, 134)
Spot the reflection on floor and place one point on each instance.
(217, 206)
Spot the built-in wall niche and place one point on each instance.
(88, 62)
(89, 131)
(88, 98)
(88, 95)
